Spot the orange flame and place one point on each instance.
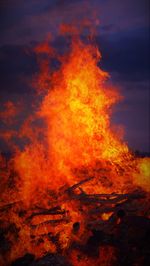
(76, 109)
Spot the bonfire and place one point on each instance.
(74, 194)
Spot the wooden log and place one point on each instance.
(107, 198)
(7, 206)
(72, 188)
(53, 211)
(50, 222)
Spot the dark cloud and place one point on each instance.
(127, 54)
(17, 65)
(23, 21)
(133, 113)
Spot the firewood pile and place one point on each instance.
(112, 220)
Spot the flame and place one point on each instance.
(10, 111)
(76, 109)
(76, 142)
(142, 177)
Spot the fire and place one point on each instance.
(76, 109)
(142, 178)
(76, 143)
(10, 111)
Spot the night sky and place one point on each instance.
(123, 38)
